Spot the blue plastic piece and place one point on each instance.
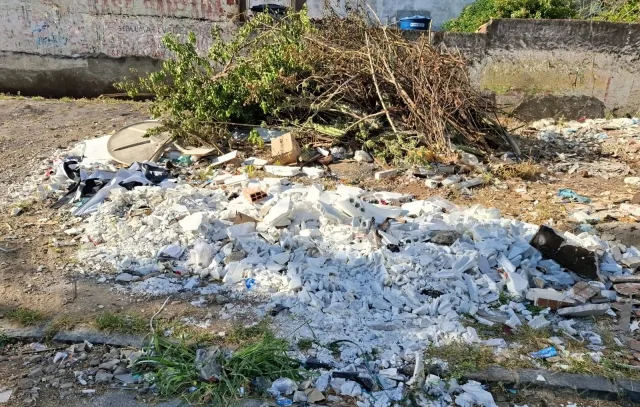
(415, 23)
(250, 283)
(545, 353)
(572, 195)
(283, 401)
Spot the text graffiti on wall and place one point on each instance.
(52, 40)
(200, 9)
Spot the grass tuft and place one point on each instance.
(461, 358)
(24, 316)
(305, 344)
(62, 323)
(173, 366)
(123, 323)
(526, 170)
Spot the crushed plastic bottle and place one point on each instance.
(250, 283)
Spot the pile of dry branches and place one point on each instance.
(389, 89)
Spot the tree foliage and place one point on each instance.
(482, 11)
(242, 79)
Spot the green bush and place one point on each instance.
(476, 14)
(472, 17)
(619, 11)
(243, 79)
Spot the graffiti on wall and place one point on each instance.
(132, 31)
(214, 10)
(143, 36)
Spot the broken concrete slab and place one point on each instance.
(583, 291)
(386, 174)
(628, 289)
(631, 262)
(625, 279)
(566, 383)
(549, 298)
(588, 310)
(282, 171)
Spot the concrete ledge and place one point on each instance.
(58, 76)
(572, 384)
(37, 333)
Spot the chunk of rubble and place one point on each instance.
(588, 310)
(583, 291)
(628, 289)
(549, 298)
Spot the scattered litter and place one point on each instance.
(285, 149)
(573, 196)
(5, 396)
(474, 395)
(130, 144)
(545, 353)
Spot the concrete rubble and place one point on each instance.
(376, 268)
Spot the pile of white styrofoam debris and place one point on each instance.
(379, 269)
(393, 278)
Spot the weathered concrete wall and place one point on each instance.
(555, 67)
(79, 47)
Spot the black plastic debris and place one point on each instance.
(274, 9)
(367, 383)
(577, 259)
(313, 364)
(91, 185)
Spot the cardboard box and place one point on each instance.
(285, 149)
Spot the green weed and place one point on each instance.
(175, 374)
(305, 344)
(461, 358)
(24, 316)
(123, 323)
(63, 323)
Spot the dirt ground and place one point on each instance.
(35, 275)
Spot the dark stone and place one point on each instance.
(445, 238)
(278, 309)
(569, 107)
(630, 388)
(434, 369)
(431, 293)
(577, 259)
(407, 370)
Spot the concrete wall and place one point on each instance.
(80, 47)
(388, 11)
(535, 67)
(542, 68)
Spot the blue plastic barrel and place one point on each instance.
(415, 23)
